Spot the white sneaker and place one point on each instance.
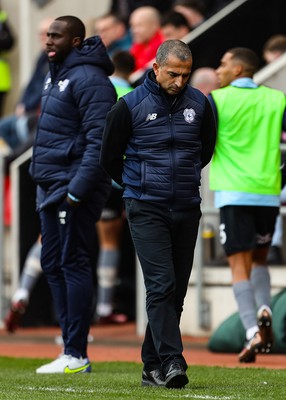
(65, 364)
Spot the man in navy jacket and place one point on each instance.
(71, 185)
(156, 141)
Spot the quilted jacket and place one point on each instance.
(76, 98)
(160, 144)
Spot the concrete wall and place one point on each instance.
(205, 311)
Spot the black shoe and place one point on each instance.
(153, 378)
(264, 321)
(176, 376)
(251, 348)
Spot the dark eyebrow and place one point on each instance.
(54, 34)
(176, 74)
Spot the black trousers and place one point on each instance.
(165, 242)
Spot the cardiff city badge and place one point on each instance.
(189, 115)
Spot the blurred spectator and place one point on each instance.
(15, 129)
(145, 23)
(205, 79)
(110, 225)
(114, 33)
(29, 277)
(174, 25)
(275, 253)
(193, 10)
(124, 64)
(274, 47)
(125, 7)
(18, 130)
(6, 44)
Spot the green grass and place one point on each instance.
(121, 380)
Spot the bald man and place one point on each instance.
(205, 79)
(146, 35)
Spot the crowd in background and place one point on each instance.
(141, 26)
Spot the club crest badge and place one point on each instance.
(63, 84)
(189, 115)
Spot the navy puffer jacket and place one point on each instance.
(76, 98)
(155, 145)
(163, 157)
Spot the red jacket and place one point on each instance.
(145, 52)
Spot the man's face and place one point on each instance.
(173, 75)
(271, 55)
(59, 42)
(172, 32)
(109, 30)
(228, 70)
(142, 27)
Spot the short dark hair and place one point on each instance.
(75, 25)
(118, 19)
(174, 18)
(197, 5)
(275, 43)
(247, 57)
(123, 62)
(176, 48)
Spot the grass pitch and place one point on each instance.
(121, 380)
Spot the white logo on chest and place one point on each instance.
(189, 115)
(151, 117)
(63, 84)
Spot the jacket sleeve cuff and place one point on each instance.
(73, 198)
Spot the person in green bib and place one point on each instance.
(245, 175)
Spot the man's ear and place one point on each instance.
(238, 69)
(76, 42)
(155, 68)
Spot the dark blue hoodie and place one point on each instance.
(76, 97)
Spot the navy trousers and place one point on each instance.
(67, 233)
(165, 242)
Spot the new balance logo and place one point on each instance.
(151, 117)
(62, 217)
